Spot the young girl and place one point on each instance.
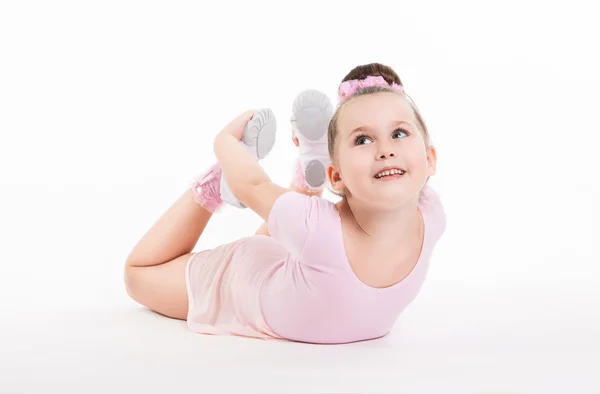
(315, 271)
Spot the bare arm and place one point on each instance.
(248, 182)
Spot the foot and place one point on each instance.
(259, 136)
(258, 139)
(311, 112)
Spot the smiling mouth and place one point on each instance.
(390, 174)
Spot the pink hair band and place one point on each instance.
(348, 88)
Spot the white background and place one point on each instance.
(107, 109)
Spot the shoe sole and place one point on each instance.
(260, 132)
(315, 174)
(312, 111)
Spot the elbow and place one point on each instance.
(241, 192)
(248, 192)
(245, 188)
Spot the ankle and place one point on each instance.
(205, 188)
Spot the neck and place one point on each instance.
(384, 227)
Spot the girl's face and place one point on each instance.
(377, 133)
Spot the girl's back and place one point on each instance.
(316, 296)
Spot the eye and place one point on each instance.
(399, 131)
(361, 140)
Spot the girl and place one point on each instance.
(316, 271)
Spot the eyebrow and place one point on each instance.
(367, 128)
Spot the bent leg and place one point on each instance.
(161, 287)
(155, 268)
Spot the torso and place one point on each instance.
(343, 288)
(377, 268)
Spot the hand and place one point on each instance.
(236, 126)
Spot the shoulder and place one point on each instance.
(293, 197)
(297, 220)
(297, 206)
(430, 203)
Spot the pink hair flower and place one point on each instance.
(348, 88)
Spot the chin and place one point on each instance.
(396, 196)
(384, 200)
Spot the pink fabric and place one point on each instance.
(298, 284)
(299, 178)
(348, 88)
(223, 286)
(206, 188)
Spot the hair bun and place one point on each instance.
(374, 69)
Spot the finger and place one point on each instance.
(241, 119)
(247, 116)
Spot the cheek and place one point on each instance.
(345, 163)
(416, 153)
(418, 161)
(356, 166)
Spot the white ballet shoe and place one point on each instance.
(311, 113)
(258, 139)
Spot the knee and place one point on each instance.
(130, 279)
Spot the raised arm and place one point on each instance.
(248, 182)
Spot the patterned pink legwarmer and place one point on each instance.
(206, 189)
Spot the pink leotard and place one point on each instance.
(298, 283)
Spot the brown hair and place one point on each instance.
(362, 72)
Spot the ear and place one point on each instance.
(335, 178)
(431, 160)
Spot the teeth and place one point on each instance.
(389, 172)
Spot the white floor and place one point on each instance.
(454, 339)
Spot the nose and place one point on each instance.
(386, 153)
